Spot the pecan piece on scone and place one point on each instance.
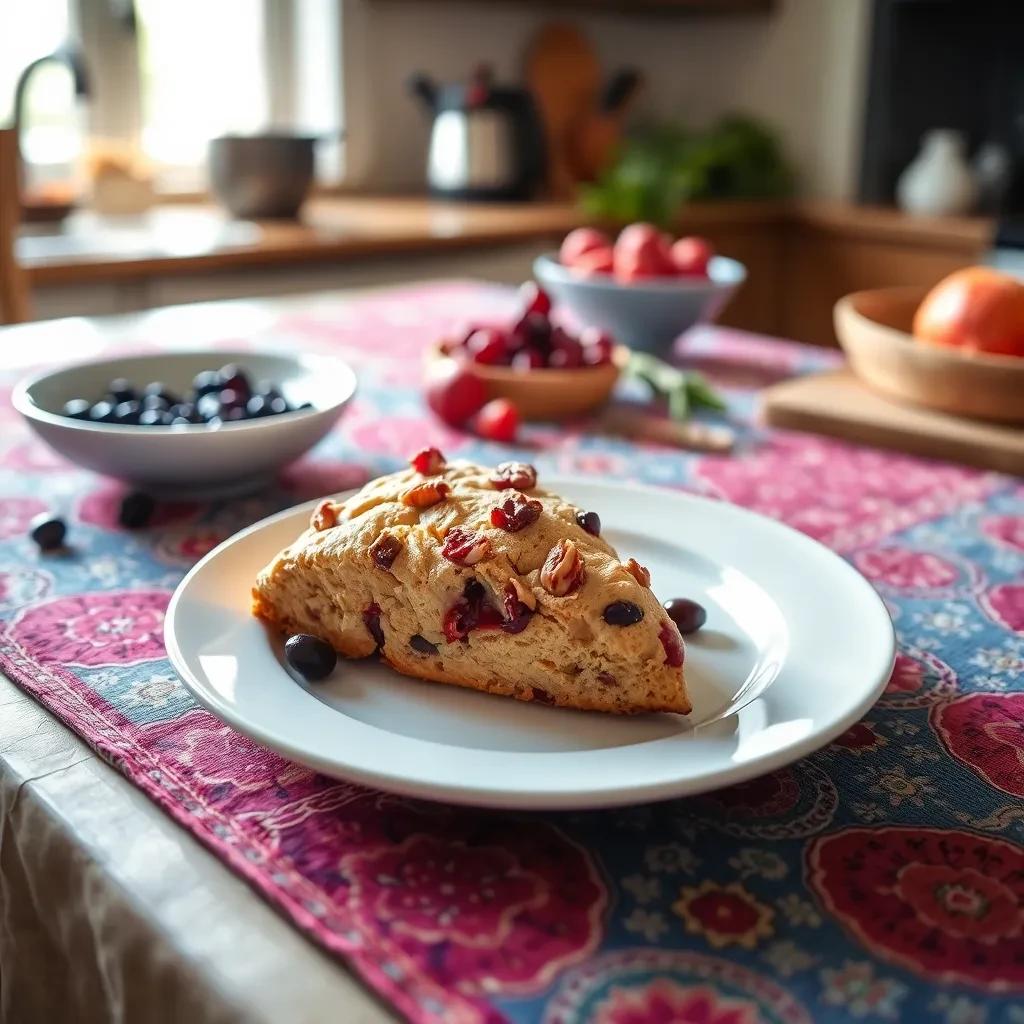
(465, 547)
(562, 572)
(519, 475)
(428, 461)
(639, 572)
(324, 516)
(426, 494)
(516, 512)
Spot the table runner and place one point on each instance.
(882, 878)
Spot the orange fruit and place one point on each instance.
(977, 309)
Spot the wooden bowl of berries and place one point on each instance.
(644, 288)
(202, 423)
(541, 368)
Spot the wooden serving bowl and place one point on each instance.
(545, 394)
(874, 327)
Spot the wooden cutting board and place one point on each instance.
(836, 403)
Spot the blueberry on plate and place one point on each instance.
(185, 411)
(311, 657)
(277, 406)
(127, 412)
(686, 614)
(77, 408)
(136, 510)
(121, 390)
(48, 531)
(102, 412)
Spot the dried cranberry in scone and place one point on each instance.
(428, 461)
(563, 571)
(324, 516)
(426, 494)
(464, 547)
(384, 550)
(520, 475)
(371, 620)
(516, 512)
(673, 644)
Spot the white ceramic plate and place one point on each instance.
(796, 648)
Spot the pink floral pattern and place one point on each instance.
(665, 1002)
(506, 914)
(17, 513)
(102, 628)
(986, 732)
(845, 497)
(905, 569)
(946, 904)
(1008, 530)
(1005, 604)
(918, 679)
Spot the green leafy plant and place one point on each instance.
(684, 390)
(662, 167)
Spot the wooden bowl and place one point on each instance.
(545, 394)
(874, 327)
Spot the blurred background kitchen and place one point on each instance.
(162, 152)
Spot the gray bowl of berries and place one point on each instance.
(644, 288)
(202, 422)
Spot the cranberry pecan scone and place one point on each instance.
(479, 577)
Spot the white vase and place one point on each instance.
(938, 180)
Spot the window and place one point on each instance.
(169, 76)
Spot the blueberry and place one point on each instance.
(206, 382)
(136, 510)
(127, 412)
(589, 521)
(154, 418)
(121, 390)
(77, 409)
(422, 644)
(276, 406)
(310, 656)
(185, 411)
(233, 377)
(48, 531)
(686, 614)
(208, 406)
(157, 389)
(257, 406)
(102, 412)
(623, 613)
(155, 402)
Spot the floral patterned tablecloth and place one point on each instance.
(879, 879)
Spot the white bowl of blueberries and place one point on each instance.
(207, 422)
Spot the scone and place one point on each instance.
(480, 578)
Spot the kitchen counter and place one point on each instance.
(185, 238)
(801, 255)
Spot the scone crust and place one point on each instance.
(567, 655)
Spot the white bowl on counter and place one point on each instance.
(195, 459)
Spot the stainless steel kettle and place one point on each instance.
(486, 141)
